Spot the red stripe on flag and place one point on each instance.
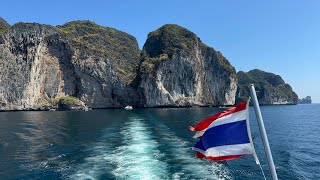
(205, 123)
(220, 158)
(225, 158)
(200, 155)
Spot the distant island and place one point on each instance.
(271, 88)
(81, 62)
(306, 100)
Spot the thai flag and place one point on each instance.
(225, 136)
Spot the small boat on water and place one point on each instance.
(128, 108)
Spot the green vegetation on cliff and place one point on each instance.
(172, 39)
(54, 101)
(169, 39)
(271, 88)
(148, 63)
(63, 103)
(163, 43)
(99, 38)
(4, 26)
(105, 43)
(219, 58)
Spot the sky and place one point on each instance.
(282, 37)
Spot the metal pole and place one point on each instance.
(263, 133)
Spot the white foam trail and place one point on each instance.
(137, 158)
(189, 166)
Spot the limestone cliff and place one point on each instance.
(271, 88)
(105, 61)
(104, 68)
(40, 62)
(177, 69)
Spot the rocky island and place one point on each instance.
(306, 100)
(101, 67)
(271, 88)
(177, 69)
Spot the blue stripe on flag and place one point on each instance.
(226, 134)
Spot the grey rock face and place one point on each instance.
(194, 75)
(34, 67)
(105, 61)
(38, 63)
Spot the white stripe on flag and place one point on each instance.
(227, 150)
(234, 117)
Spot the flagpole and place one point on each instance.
(263, 133)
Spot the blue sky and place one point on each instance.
(282, 37)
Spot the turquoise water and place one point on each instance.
(149, 144)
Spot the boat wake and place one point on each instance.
(139, 157)
(146, 149)
(136, 158)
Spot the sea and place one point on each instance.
(150, 143)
